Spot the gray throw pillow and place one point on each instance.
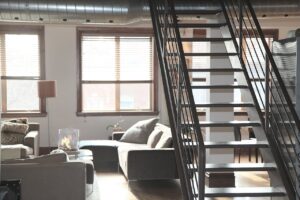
(154, 137)
(165, 140)
(19, 120)
(140, 131)
(14, 127)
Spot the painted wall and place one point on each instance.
(61, 65)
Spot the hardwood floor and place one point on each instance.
(113, 186)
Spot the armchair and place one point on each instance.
(29, 148)
(47, 177)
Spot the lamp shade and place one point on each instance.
(47, 89)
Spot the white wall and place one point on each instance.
(283, 24)
(61, 65)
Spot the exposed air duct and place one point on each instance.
(116, 11)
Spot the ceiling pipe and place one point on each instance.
(117, 11)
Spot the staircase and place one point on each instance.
(270, 110)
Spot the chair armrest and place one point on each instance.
(33, 126)
(59, 181)
(32, 140)
(149, 164)
(117, 135)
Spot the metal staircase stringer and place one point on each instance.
(173, 109)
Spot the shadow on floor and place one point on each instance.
(156, 190)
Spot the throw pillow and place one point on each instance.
(12, 138)
(154, 138)
(14, 127)
(19, 120)
(165, 140)
(139, 132)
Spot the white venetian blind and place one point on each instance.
(20, 55)
(109, 58)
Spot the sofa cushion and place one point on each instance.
(14, 127)
(165, 140)
(15, 151)
(19, 120)
(139, 132)
(154, 137)
(123, 150)
(9, 138)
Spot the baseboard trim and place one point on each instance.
(220, 179)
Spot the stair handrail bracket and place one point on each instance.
(187, 138)
(276, 109)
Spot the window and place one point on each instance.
(117, 73)
(21, 67)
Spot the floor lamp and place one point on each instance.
(47, 89)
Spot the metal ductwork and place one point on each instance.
(117, 11)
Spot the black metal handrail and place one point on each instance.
(184, 122)
(281, 122)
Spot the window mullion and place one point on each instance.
(117, 68)
(3, 73)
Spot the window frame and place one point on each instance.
(28, 29)
(121, 32)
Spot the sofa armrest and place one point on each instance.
(59, 181)
(117, 135)
(151, 164)
(32, 140)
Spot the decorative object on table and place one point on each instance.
(68, 139)
(47, 89)
(57, 151)
(115, 127)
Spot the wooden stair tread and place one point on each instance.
(215, 70)
(225, 104)
(231, 144)
(245, 192)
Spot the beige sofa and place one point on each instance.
(137, 161)
(29, 148)
(49, 177)
(141, 162)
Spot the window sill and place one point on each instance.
(89, 114)
(23, 114)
